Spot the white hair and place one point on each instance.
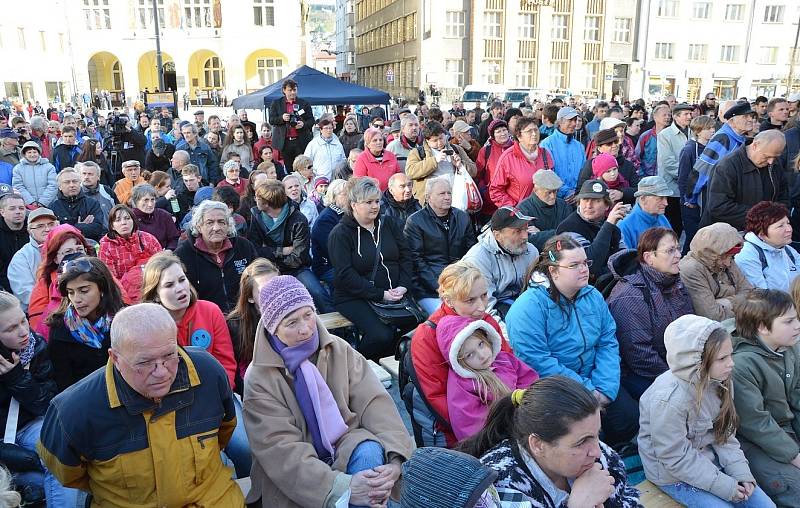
(200, 211)
(139, 320)
(430, 183)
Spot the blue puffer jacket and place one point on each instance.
(568, 158)
(577, 339)
(637, 222)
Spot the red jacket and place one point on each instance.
(486, 169)
(204, 326)
(240, 188)
(122, 254)
(368, 165)
(432, 368)
(512, 180)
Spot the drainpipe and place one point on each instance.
(646, 37)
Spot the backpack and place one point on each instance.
(763, 258)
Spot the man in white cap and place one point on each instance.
(567, 152)
(651, 202)
(25, 263)
(793, 100)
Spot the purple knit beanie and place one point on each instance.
(280, 297)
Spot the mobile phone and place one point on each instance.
(448, 151)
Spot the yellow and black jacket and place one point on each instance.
(128, 451)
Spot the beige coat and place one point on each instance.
(676, 435)
(420, 170)
(711, 286)
(286, 472)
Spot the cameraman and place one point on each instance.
(293, 121)
(127, 143)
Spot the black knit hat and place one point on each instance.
(442, 478)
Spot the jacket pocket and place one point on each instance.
(205, 453)
(698, 430)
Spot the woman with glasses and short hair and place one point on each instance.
(648, 296)
(80, 329)
(561, 325)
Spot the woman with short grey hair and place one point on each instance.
(214, 256)
(371, 265)
(153, 220)
(337, 200)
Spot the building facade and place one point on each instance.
(87, 45)
(345, 40)
(731, 48)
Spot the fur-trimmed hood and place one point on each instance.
(453, 331)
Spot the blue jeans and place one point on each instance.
(238, 449)
(321, 296)
(429, 305)
(367, 455)
(58, 496)
(691, 222)
(422, 417)
(692, 496)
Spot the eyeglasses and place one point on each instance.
(47, 225)
(79, 249)
(378, 126)
(529, 132)
(671, 252)
(577, 266)
(149, 367)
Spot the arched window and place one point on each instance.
(269, 70)
(214, 73)
(116, 75)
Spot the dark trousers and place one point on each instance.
(673, 214)
(691, 223)
(291, 149)
(377, 338)
(635, 385)
(620, 420)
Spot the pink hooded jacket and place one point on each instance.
(467, 411)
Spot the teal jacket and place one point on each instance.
(637, 222)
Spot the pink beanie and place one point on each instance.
(280, 297)
(602, 163)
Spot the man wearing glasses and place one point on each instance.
(23, 266)
(12, 231)
(292, 120)
(148, 429)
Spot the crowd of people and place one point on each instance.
(565, 287)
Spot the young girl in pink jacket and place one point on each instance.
(479, 373)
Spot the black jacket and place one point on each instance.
(133, 149)
(737, 185)
(390, 207)
(155, 163)
(626, 169)
(546, 217)
(599, 240)
(433, 246)
(212, 282)
(32, 387)
(72, 360)
(64, 156)
(76, 208)
(327, 220)
(351, 249)
(10, 242)
(281, 128)
(294, 233)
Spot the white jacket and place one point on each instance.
(22, 271)
(325, 155)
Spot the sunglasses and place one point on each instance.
(378, 126)
(79, 265)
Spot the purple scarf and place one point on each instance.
(316, 401)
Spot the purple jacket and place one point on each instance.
(159, 224)
(467, 411)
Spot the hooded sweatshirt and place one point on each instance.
(711, 285)
(637, 222)
(676, 434)
(37, 182)
(22, 271)
(781, 264)
(466, 409)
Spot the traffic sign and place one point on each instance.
(390, 75)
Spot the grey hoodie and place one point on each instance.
(35, 182)
(676, 435)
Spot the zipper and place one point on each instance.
(201, 439)
(583, 335)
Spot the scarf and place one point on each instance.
(619, 183)
(408, 144)
(322, 416)
(84, 331)
(274, 229)
(26, 355)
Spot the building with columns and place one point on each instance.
(62, 47)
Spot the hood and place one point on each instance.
(685, 339)
(389, 199)
(453, 331)
(623, 263)
(41, 162)
(488, 241)
(711, 242)
(57, 233)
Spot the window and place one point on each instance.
(734, 12)
(664, 50)
(698, 52)
(560, 29)
(351, 58)
(774, 13)
(21, 37)
(492, 25)
(454, 27)
(667, 9)
(591, 31)
(701, 10)
(525, 74)
(491, 71)
(527, 26)
(43, 40)
(591, 73)
(729, 54)
(213, 73)
(622, 30)
(97, 14)
(264, 12)
(768, 55)
(558, 74)
(198, 13)
(455, 70)
(144, 14)
(270, 70)
(116, 75)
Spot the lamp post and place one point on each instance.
(159, 62)
(790, 77)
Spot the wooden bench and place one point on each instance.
(333, 320)
(653, 497)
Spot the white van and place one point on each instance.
(482, 93)
(517, 95)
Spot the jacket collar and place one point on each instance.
(121, 394)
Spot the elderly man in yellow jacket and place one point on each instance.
(147, 430)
